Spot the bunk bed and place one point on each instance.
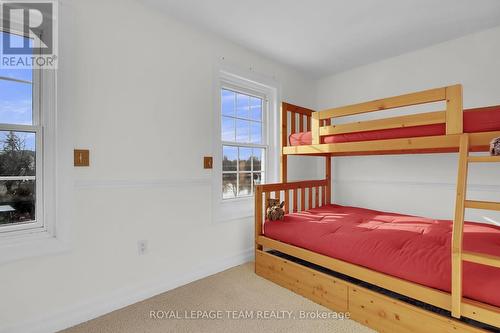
(337, 255)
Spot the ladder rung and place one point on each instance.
(488, 205)
(484, 159)
(480, 258)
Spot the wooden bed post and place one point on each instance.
(454, 110)
(458, 229)
(328, 177)
(315, 125)
(284, 143)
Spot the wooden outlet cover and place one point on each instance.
(82, 157)
(207, 162)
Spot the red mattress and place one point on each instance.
(475, 120)
(412, 248)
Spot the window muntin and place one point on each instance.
(244, 146)
(20, 147)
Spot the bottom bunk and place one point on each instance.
(406, 255)
(379, 309)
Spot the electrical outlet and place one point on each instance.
(142, 247)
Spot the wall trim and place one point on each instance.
(91, 309)
(442, 185)
(141, 183)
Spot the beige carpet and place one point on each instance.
(236, 289)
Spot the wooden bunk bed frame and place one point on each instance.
(370, 308)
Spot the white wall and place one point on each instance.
(418, 184)
(139, 87)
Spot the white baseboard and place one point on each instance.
(90, 309)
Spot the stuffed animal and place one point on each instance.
(275, 210)
(495, 147)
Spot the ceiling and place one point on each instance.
(323, 37)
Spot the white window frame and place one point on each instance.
(248, 82)
(51, 232)
(37, 128)
(265, 140)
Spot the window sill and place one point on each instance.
(30, 245)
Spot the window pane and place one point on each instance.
(228, 101)
(255, 132)
(17, 169)
(228, 130)
(242, 131)
(230, 158)
(243, 106)
(255, 108)
(258, 178)
(17, 154)
(15, 103)
(258, 158)
(17, 201)
(24, 74)
(245, 186)
(229, 189)
(245, 159)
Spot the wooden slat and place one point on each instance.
(277, 195)
(267, 196)
(427, 142)
(454, 110)
(484, 159)
(483, 139)
(309, 123)
(310, 194)
(316, 193)
(480, 258)
(301, 123)
(287, 201)
(293, 126)
(295, 200)
(432, 296)
(458, 228)
(428, 96)
(487, 205)
(323, 195)
(420, 119)
(302, 199)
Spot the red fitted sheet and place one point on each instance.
(413, 248)
(475, 120)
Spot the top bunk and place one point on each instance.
(306, 132)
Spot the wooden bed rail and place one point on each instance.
(452, 116)
(300, 121)
(298, 196)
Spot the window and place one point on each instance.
(20, 147)
(244, 145)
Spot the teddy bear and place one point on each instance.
(275, 210)
(495, 147)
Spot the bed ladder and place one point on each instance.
(461, 203)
